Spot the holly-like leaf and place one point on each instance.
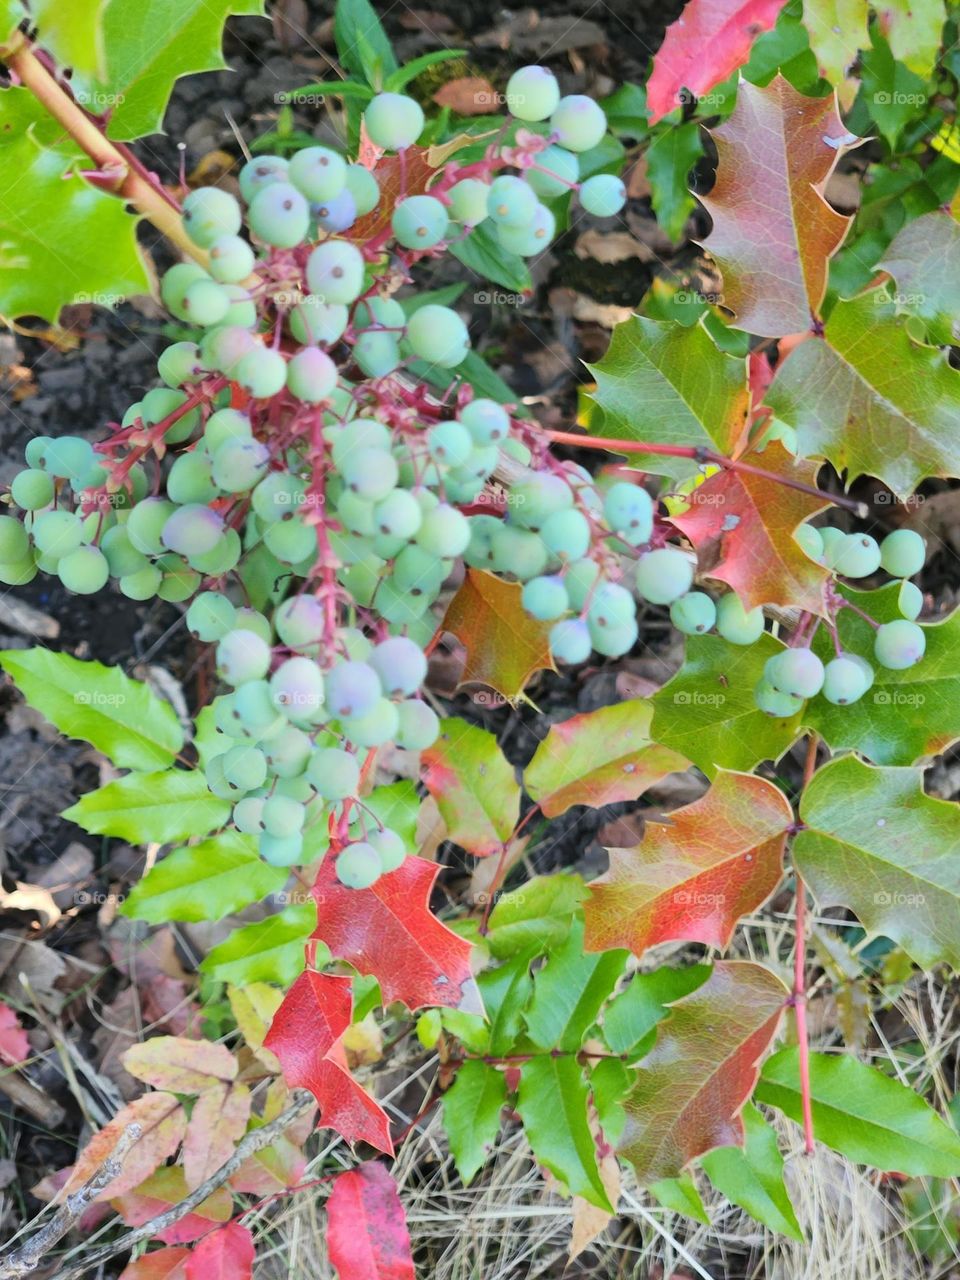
(162, 1121)
(14, 1045)
(752, 1176)
(306, 1036)
(389, 931)
(552, 1103)
(874, 842)
(141, 807)
(204, 881)
(538, 914)
(367, 1232)
(905, 716)
(742, 526)
(225, 1254)
(504, 645)
(483, 254)
(506, 992)
(631, 1016)
(706, 44)
(270, 950)
(692, 878)
(159, 1193)
(474, 787)
(161, 1264)
(691, 1087)
(569, 991)
(837, 31)
(863, 1114)
(600, 757)
(924, 260)
(180, 1065)
(670, 157)
(72, 33)
(681, 1196)
(662, 382)
(708, 712)
(913, 29)
(121, 717)
(774, 250)
(471, 1115)
(869, 399)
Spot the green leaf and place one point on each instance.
(869, 399)
(400, 78)
(205, 881)
(271, 950)
(397, 805)
(610, 1082)
(681, 1195)
(483, 253)
(444, 297)
(539, 914)
(630, 1017)
(505, 993)
(471, 1115)
(924, 260)
(474, 787)
(148, 48)
(142, 807)
(362, 43)
(752, 1176)
(892, 94)
(874, 842)
(208, 741)
(121, 717)
(670, 384)
(333, 88)
(569, 991)
(670, 157)
(837, 30)
(863, 1114)
(707, 710)
(626, 111)
(72, 33)
(552, 1103)
(906, 715)
(913, 28)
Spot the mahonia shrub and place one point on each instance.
(324, 450)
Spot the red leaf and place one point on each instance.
(14, 1045)
(709, 40)
(226, 1254)
(164, 1264)
(388, 930)
(306, 1036)
(367, 1235)
(160, 1192)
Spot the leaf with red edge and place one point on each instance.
(162, 1264)
(709, 40)
(306, 1036)
(504, 645)
(389, 931)
(691, 1087)
(14, 1045)
(160, 1192)
(773, 231)
(270, 1170)
(226, 1254)
(217, 1123)
(398, 176)
(162, 1120)
(474, 787)
(742, 526)
(367, 1236)
(695, 875)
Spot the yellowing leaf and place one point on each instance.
(474, 787)
(504, 645)
(162, 1120)
(217, 1123)
(180, 1065)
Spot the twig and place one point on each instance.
(799, 999)
(29, 1256)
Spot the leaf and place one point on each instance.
(600, 757)
(506, 992)
(254, 1007)
(705, 45)
(162, 1264)
(159, 1193)
(874, 842)
(396, 82)
(742, 526)
(869, 399)
(691, 1087)
(217, 1123)
(504, 645)
(864, 1114)
(397, 806)
(180, 1065)
(14, 1045)
(306, 1036)
(362, 43)
(552, 1103)
(707, 710)
(661, 382)
(162, 1121)
(752, 1176)
(367, 1234)
(71, 33)
(225, 1254)
(396, 179)
(471, 1115)
(680, 1195)
(924, 260)
(121, 717)
(148, 49)
(906, 715)
(474, 787)
(588, 1220)
(271, 950)
(483, 254)
(142, 807)
(205, 881)
(630, 1016)
(568, 993)
(670, 157)
(895, 95)
(693, 877)
(540, 912)
(774, 252)
(913, 29)
(468, 96)
(838, 31)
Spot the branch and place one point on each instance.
(254, 1141)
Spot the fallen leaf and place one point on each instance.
(469, 96)
(367, 1232)
(162, 1120)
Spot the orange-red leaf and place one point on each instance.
(306, 1036)
(504, 645)
(14, 1045)
(398, 176)
(217, 1123)
(162, 1120)
(773, 231)
(693, 1084)
(693, 877)
(162, 1190)
(226, 1254)
(468, 96)
(162, 1264)
(367, 1230)
(474, 787)
(742, 526)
